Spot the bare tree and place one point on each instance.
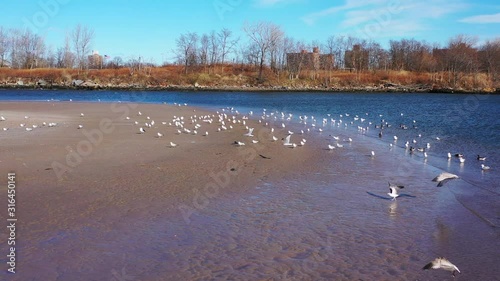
(186, 49)
(82, 37)
(214, 48)
(204, 50)
(226, 44)
(4, 46)
(461, 56)
(490, 58)
(265, 35)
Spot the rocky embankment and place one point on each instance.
(382, 88)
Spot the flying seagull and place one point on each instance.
(394, 190)
(443, 264)
(250, 132)
(443, 178)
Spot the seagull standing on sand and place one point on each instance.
(173, 144)
(287, 140)
(80, 126)
(141, 130)
(394, 190)
(443, 178)
(442, 263)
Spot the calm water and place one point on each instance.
(334, 224)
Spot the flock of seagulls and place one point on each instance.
(228, 118)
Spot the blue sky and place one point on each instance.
(149, 28)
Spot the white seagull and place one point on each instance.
(484, 167)
(442, 263)
(287, 140)
(444, 177)
(250, 132)
(80, 126)
(394, 190)
(141, 130)
(331, 147)
(239, 143)
(81, 114)
(173, 144)
(159, 135)
(2, 118)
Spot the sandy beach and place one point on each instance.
(107, 175)
(106, 202)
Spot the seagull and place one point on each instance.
(239, 143)
(373, 153)
(80, 126)
(485, 168)
(481, 158)
(443, 264)
(331, 147)
(444, 177)
(173, 144)
(5, 129)
(287, 140)
(461, 159)
(2, 118)
(141, 130)
(395, 138)
(250, 132)
(449, 155)
(159, 135)
(255, 141)
(81, 114)
(394, 190)
(29, 129)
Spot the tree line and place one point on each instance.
(266, 46)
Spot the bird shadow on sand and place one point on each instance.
(390, 198)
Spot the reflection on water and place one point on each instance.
(392, 208)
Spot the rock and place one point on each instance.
(77, 83)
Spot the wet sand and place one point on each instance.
(132, 208)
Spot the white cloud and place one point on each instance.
(359, 12)
(482, 19)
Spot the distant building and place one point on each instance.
(309, 61)
(95, 60)
(357, 58)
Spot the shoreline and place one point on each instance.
(305, 213)
(275, 89)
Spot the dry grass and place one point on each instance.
(240, 75)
